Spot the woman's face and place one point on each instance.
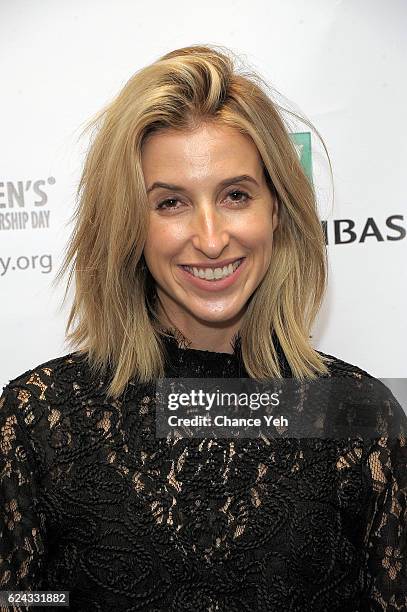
(205, 214)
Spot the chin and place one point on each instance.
(225, 316)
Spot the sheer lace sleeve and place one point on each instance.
(386, 535)
(22, 531)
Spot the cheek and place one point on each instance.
(259, 241)
(258, 235)
(162, 242)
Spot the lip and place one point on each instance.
(213, 285)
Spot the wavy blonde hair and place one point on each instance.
(112, 317)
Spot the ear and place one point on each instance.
(275, 214)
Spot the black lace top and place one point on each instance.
(93, 503)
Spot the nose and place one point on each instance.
(210, 231)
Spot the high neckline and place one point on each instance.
(180, 352)
(175, 341)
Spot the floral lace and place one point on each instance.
(93, 503)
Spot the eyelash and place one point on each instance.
(160, 205)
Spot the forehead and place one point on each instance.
(209, 148)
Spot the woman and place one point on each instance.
(197, 253)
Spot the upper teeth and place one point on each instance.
(214, 273)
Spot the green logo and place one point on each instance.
(302, 143)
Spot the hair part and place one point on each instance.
(113, 320)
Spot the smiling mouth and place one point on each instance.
(214, 274)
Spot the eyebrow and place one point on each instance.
(224, 183)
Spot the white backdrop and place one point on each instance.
(340, 63)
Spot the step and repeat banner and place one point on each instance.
(339, 64)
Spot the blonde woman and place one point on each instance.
(197, 252)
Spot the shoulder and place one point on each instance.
(338, 367)
(349, 375)
(46, 380)
(41, 393)
(360, 388)
(48, 370)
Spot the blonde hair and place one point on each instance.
(112, 316)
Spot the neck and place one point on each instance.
(200, 335)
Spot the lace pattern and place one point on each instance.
(92, 502)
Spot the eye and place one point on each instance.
(239, 193)
(169, 203)
(165, 204)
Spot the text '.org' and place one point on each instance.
(37, 263)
